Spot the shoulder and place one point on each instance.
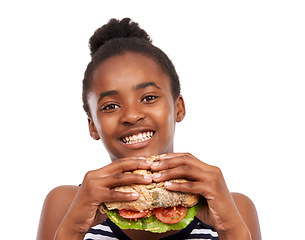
(55, 207)
(242, 201)
(61, 197)
(248, 212)
(65, 192)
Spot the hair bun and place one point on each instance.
(125, 28)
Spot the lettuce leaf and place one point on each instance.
(152, 223)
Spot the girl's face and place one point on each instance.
(132, 107)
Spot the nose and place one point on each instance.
(132, 114)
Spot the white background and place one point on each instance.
(241, 65)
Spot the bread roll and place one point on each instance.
(152, 196)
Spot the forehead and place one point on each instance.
(127, 70)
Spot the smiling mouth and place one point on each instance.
(137, 138)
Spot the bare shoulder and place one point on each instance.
(63, 193)
(60, 198)
(54, 209)
(242, 201)
(249, 214)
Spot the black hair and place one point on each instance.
(118, 37)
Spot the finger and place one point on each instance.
(118, 179)
(170, 155)
(172, 160)
(187, 187)
(182, 172)
(200, 188)
(212, 186)
(116, 196)
(130, 164)
(121, 165)
(98, 189)
(123, 179)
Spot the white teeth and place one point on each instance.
(138, 137)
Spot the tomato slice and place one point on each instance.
(133, 214)
(171, 214)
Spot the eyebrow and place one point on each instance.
(108, 93)
(146, 84)
(137, 87)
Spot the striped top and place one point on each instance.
(109, 231)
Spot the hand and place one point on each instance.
(219, 209)
(97, 188)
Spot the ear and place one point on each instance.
(92, 130)
(180, 109)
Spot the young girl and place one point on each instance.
(131, 94)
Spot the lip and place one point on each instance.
(135, 131)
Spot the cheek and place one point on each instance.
(167, 119)
(171, 125)
(106, 128)
(109, 128)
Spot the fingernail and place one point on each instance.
(155, 164)
(167, 184)
(147, 177)
(162, 155)
(157, 175)
(135, 194)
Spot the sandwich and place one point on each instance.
(157, 209)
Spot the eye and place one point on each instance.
(110, 107)
(149, 98)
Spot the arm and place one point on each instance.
(54, 209)
(230, 220)
(248, 213)
(69, 212)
